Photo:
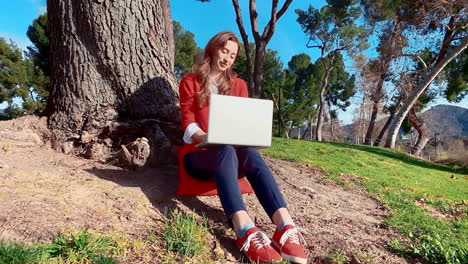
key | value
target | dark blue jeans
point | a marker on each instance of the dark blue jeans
(224, 164)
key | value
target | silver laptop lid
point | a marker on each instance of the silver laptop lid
(240, 121)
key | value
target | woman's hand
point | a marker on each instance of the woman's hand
(200, 136)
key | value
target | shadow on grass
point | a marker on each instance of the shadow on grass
(160, 186)
(400, 156)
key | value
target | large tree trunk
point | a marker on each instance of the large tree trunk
(420, 144)
(332, 127)
(413, 97)
(318, 129)
(112, 77)
(376, 97)
(384, 129)
(418, 124)
(378, 140)
(258, 68)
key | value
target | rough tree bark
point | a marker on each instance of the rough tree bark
(112, 79)
(376, 98)
(323, 88)
(390, 45)
(332, 127)
(418, 124)
(384, 129)
(413, 97)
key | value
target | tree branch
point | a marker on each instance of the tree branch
(245, 39)
(313, 46)
(283, 9)
(270, 28)
(448, 38)
(240, 23)
(417, 57)
(254, 20)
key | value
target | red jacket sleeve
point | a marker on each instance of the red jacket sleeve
(188, 101)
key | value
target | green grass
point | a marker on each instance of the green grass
(398, 180)
(338, 257)
(81, 247)
(14, 253)
(184, 235)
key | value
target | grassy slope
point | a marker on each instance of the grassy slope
(398, 180)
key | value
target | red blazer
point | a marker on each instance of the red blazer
(191, 113)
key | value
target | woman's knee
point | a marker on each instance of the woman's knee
(250, 160)
(226, 149)
(227, 153)
(249, 152)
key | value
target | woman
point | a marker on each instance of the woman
(213, 74)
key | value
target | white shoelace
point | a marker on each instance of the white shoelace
(295, 235)
(259, 239)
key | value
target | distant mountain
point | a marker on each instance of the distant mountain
(448, 120)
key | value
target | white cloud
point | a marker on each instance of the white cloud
(41, 10)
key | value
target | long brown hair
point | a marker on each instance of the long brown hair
(203, 67)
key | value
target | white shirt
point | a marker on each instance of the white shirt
(192, 128)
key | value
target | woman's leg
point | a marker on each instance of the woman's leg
(222, 162)
(263, 183)
(287, 237)
(221, 165)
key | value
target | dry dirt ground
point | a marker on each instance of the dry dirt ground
(43, 192)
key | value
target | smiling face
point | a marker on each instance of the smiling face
(223, 58)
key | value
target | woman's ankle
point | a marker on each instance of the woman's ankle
(239, 219)
(284, 224)
(240, 232)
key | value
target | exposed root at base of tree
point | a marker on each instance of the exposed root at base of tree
(133, 144)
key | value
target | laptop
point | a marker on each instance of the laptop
(239, 121)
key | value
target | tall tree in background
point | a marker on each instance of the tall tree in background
(418, 122)
(112, 79)
(456, 75)
(443, 21)
(186, 50)
(39, 55)
(391, 43)
(14, 73)
(340, 91)
(367, 82)
(332, 30)
(273, 80)
(18, 80)
(255, 64)
(303, 94)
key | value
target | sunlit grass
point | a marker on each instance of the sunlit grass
(398, 180)
(184, 235)
(81, 247)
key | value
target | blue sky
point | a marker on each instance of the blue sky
(204, 20)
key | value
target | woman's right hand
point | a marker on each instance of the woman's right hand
(200, 136)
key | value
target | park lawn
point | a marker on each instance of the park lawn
(408, 186)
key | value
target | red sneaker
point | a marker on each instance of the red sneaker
(290, 243)
(257, 248)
